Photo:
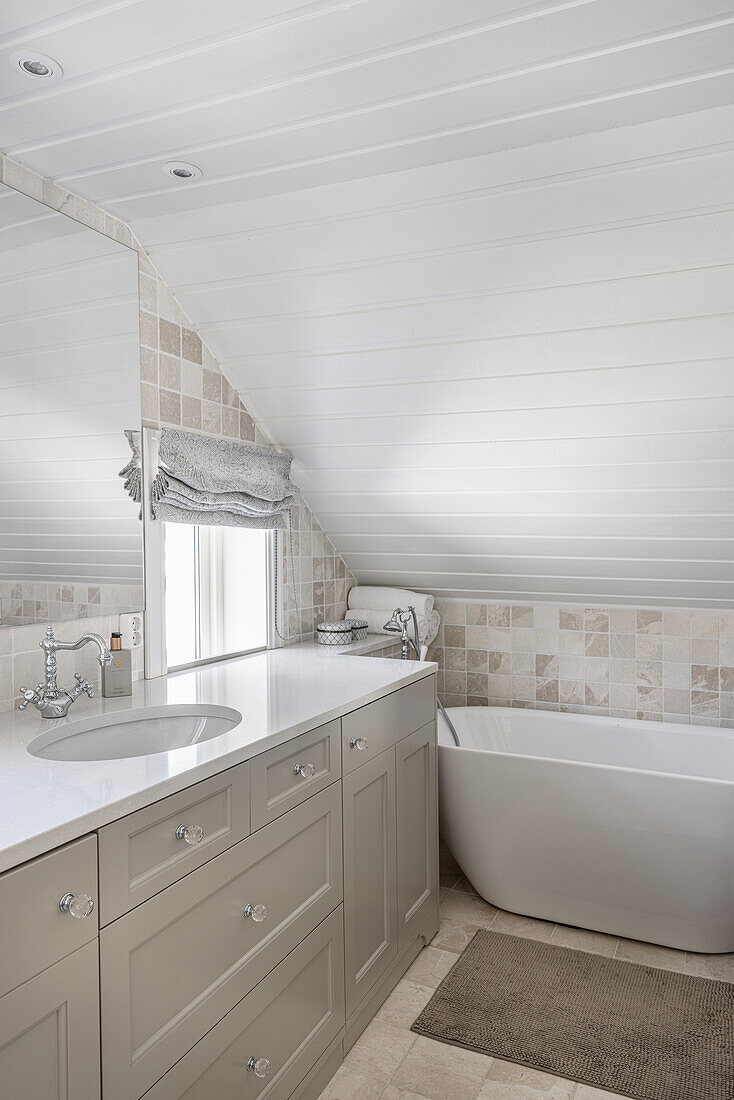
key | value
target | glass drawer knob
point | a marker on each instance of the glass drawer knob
(259, 1066)
(360, 743)
(192, 834)
(306, 771)
(257, 912)
(77, 905)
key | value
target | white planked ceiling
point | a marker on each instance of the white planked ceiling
(471, 263)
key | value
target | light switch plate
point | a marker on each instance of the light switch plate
(131, 628)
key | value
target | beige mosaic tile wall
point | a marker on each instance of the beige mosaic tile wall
(181, 385)
(23, 602)
(667, 665)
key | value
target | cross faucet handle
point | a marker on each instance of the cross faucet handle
(83, 685)
(31, 695)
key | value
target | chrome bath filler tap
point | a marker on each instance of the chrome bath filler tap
(48, 698)
(398, 624)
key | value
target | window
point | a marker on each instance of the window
(216, 592)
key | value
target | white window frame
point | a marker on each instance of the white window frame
(156, 663)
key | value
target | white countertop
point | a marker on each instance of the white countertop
(281, 693)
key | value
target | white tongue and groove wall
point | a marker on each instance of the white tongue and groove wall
(474, 270)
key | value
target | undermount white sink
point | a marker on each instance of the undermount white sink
(140, 732)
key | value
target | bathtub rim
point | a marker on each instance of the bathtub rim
(599, 718)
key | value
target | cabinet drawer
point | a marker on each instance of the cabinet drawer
(277, 781)
(49, 1033)
(173, 967)
(142, 853)
(382, 723)
(290, 1019)
(35, 933)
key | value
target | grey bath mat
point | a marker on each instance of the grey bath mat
(636, 1030)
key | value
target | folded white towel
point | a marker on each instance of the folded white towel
(386, 599)
(427, 628)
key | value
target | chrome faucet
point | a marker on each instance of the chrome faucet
(48, 698)
(398, 624)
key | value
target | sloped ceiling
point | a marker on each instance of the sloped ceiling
(471, 263)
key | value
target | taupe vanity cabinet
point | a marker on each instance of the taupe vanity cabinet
(234, 938)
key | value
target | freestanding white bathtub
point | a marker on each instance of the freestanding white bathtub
(617, 825)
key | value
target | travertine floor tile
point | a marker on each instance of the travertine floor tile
(527, 927)
(453, 935)
(348, 1085)
(431, 967)
(650, 954)
(598, 943)
(720, 967)
(466, 907)
(462, 883)
(392, 1092)
(405, 1003)
(509, 1081)
(438, 1071)
(379, 1050)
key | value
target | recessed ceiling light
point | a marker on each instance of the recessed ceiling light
(182, 170)
(35, 64)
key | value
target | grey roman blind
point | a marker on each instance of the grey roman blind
(206, 480)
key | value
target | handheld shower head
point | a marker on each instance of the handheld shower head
(395, 625)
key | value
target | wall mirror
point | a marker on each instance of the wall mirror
(70, 536)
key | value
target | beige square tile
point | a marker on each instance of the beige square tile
(498, 615)
(720, 967)
(582, 939)
(704, 677)
(546, 641)
(676, 649)
(677, 622)
(622, 620)
(571, 641)
(676, 674)
(476, 614)
(596, 619)
(649, 622)
(650, 954)
(704, 624)
(431, 966)
(523, 664)
(529, 928)
(379, 1050)
(454, 935)
(622, 645)
(522, 617)
(704, 651)
(571, 667)
(477, 637)
(546, 617)
(405, 1003)
(466, 908)
(570, 619)
(348, 1085)
(499, 639)
(650, 647)
(650, 673)
(622, 671)
(596, 645)
(523, 640)
(438, 1072)
(509, 1081)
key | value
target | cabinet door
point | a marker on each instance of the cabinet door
(370, 874)
(174, 966)
(417, 830)
(49, 1033)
